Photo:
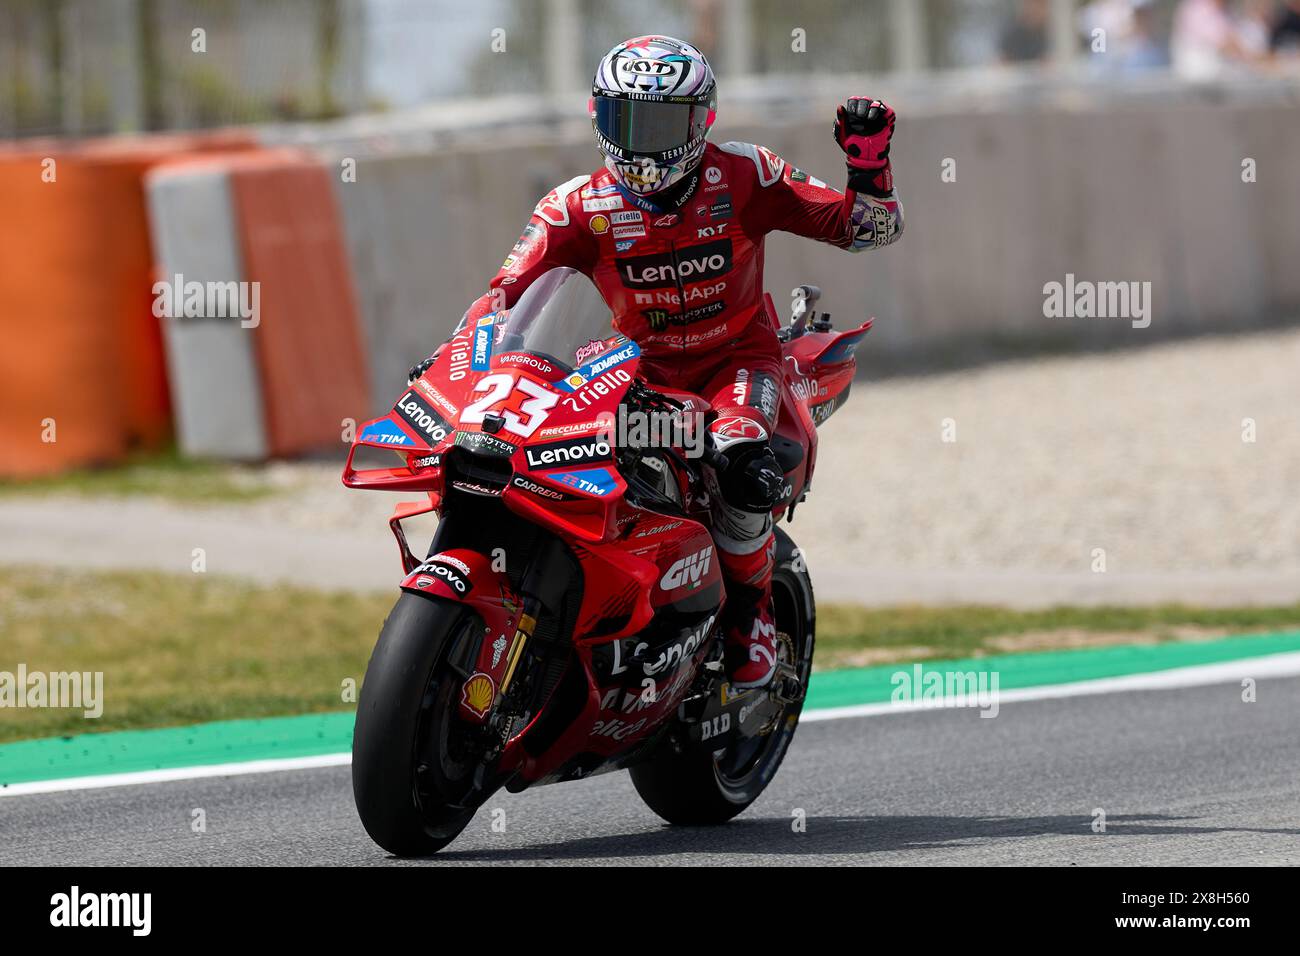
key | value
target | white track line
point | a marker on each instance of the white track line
(1199, 675)
(176, 773)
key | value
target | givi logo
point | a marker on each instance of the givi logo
(688, 571)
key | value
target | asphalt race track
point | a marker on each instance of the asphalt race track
(1188, 776)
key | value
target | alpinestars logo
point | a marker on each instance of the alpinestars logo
(693, 264)
(687, 571)
(423, 418)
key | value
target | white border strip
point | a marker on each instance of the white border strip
(1198, 675)
(1286, 664)
(176, 773)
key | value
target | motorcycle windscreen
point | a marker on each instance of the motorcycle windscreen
(561, 320)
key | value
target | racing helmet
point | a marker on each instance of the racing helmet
(652, 102)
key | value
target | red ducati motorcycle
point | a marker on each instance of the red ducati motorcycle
(565, 620)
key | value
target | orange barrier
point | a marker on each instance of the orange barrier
(81, 346)
(309, 346)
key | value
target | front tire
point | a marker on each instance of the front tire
(693, 787)
(413, 793)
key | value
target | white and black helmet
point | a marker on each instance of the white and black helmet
(652, 103)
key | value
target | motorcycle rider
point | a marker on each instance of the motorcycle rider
(671, 232)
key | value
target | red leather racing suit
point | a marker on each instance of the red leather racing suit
(686, 283)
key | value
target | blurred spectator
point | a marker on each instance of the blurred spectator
(1254, 24)
(1024, 37)
(1206, 40)
(1147, 49)
(1123, 35)
(1285, 38)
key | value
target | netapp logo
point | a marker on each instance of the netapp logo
(694, 264)
(421, 415)
(575, 450)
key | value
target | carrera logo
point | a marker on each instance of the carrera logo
(574, 450)
(423, 418)
(519, 481)
(694, 264)
(688, 571)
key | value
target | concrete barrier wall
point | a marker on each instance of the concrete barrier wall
(1145, 192)
(216, 394)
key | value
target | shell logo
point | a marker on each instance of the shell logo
(575, 380)
(599, 224)
(477, 693)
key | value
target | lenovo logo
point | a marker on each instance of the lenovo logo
(581, 451)
(692, 264)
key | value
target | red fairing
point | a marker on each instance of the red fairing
(462, 575)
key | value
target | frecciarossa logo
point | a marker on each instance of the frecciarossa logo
(691, 264)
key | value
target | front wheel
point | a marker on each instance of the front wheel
(413, 770)
(696, 787)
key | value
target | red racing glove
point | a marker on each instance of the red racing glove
(863, 129)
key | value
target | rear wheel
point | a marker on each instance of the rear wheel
(697, 787)
(413, 759)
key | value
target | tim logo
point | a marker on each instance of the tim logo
(688, 571)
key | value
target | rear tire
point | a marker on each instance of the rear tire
(405, 796)
(695, 788)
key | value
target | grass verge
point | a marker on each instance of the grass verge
(163, 474)
(189, 649)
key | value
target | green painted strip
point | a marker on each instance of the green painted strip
(871, 685)
(127, 751)
(233, 741)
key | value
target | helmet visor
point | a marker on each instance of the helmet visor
(650, 127)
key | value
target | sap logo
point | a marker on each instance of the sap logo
(563, 452)
(694, 264)
(623, 245)
(385, 432)
(687, 571)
